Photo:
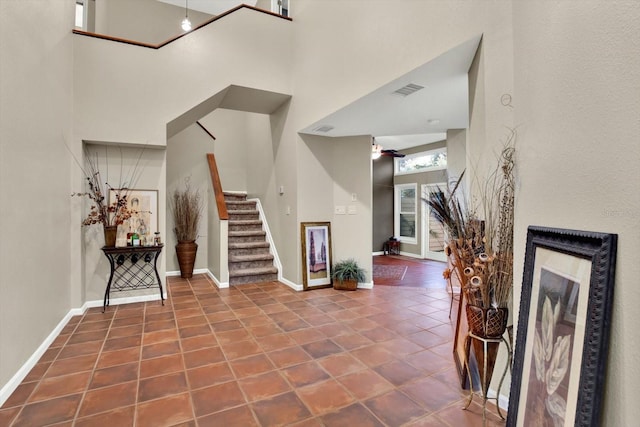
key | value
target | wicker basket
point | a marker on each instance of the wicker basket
(345, 285)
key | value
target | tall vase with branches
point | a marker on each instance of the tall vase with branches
(480, 248)
(186, 205)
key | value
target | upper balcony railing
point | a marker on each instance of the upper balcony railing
(156, 23)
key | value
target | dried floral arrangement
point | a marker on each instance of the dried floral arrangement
(186, 205)
(101, 211)
(481, 250)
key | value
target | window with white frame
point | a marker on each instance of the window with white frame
(405, 212)
(421, 162)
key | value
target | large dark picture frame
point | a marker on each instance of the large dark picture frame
(316, 254)
(563, 328)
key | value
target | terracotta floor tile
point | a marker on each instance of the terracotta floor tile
(8, 415)
(49, 411)
(263, 340)
(199, 342)
(108, 398)
(251, 365)
(373, 355)
(160, 336)
(118, 357)
(263, 386)
(60, 386)
(121, 417)
(71, 365)
(114, 375)
(288, 356)
(217, 398)
(305, 374)
(120, 343)
(89, 348)
(208, 375)
(241, 416)
(167, 411)
(428, 361)
(161, 365)
(203, 356)
(326, 396)
(125, 331)
(352, 415)
(427, 339)
(160, 349)
(398, 372)
(20, 395)
(341, 364)
(159, 325)
(280, 410)
(226, 325)
(161, 386)
(323, 348)
(239, 349)
(275, 342)
(365, 383)
(394, 408)
(264, 330)
(432, 393)
(194, 331)
(351, 341)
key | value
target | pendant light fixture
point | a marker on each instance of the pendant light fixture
(186, 24)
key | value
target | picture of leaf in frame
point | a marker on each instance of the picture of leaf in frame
(549, 377)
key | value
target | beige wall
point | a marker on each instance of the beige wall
(36, 107)
(128, 19)
(576, 104)
(575, 87)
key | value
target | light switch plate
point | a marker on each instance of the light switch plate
(352, 210)
(340, 210)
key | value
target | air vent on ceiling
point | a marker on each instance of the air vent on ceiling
(323, 128)
(408, 89)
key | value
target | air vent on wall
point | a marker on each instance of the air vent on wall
(323, 128)
(408, 89)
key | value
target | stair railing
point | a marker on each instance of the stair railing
(218, 230)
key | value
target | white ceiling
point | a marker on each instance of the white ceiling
(422, 117)
(212, 7)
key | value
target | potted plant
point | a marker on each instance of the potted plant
(346, 274)
(186, 206)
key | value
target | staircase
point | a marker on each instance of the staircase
(249, 258)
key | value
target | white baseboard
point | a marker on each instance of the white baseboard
(195, 271)
(19, 376)
(368, 285)
(377, 253)
(291, 284)
(219, 284)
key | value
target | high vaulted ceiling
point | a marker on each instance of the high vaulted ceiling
(212, 7)
(438, 100)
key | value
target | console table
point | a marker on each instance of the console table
(132, 267)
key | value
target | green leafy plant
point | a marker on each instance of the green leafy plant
(348, 270)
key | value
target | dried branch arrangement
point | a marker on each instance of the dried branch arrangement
(481, 249)
(186, 205)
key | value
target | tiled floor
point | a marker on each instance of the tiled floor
(252, 355)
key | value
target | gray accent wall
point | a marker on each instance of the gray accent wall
(382, 190)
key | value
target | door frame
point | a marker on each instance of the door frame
(424, 221)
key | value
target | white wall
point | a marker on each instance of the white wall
(577, 104)
(36, 107)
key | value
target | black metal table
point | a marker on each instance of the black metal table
(132, 267)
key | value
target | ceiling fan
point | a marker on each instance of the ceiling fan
(377, 151)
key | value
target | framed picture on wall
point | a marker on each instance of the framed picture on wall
(563, 328)
(143, 206)
(316, 254)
